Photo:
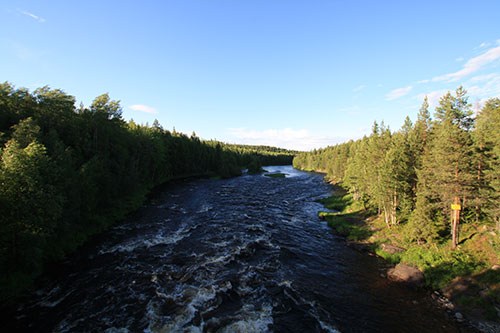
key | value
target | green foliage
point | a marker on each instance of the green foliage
(440, 265)
(67, 173)
(344, 219)
(393, 258)
(255, 166)
(337, 203)
(412, 176)
(487, 143)
(344, 226)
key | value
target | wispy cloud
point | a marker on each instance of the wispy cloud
(471, 66)
(33, 16)
(484, 86)
(143, 108)
(479, 88)
(433, 97)
(485, 77)
(483, 45)
(359, 88)
(300, 139)
(397, 93)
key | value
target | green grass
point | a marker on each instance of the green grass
(440, 265)
(344, 225)
(393, 258)
(337, 203)
(444, 269)
(344, 219)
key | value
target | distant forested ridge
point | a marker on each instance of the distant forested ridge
(427, 176)
(67, 172)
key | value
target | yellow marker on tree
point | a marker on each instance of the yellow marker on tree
(455, 207)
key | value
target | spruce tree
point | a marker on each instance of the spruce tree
(445, 176)
(487, 143)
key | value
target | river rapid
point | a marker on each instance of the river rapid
(246, 254)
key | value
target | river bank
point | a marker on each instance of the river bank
(464, 282)
(241, 254)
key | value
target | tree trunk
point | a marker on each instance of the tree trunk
(394, 206)
(455, 223)
(386, 216)
(478, 205)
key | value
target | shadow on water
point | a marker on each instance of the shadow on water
(247, 254)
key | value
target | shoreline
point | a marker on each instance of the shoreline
(363, 231)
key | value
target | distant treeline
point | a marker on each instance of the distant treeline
(67, 172)
(427, 174)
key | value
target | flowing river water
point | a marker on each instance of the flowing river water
(246, 254)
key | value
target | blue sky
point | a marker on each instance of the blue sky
(294, 74)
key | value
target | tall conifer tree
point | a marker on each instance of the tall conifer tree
(445, 176)
(487, 143)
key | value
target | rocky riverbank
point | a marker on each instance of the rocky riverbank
(465, 282)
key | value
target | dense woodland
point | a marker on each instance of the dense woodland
(67, 172)
(413, 176)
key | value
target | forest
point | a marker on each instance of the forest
(429, 192)
(68, 172)
(413, 176)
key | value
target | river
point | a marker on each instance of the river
(246, 254)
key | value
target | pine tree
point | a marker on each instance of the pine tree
(487, 143)
(357, 172)
(445, 175)
(397, 175)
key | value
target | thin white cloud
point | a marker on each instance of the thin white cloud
(359, 88)
(33, 16)
(471, 66)
(433, 97)
(300, 139)
(143, 108)
(484, 86)
(397, 93)
(485, 77)
(479, 88)
(484, 44)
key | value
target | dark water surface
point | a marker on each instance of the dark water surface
(246, 254)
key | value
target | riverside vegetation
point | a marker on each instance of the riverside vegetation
(400, 192)
(68, 172)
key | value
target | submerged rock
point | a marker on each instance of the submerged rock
(407, 274)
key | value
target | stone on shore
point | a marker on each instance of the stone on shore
(406, 274)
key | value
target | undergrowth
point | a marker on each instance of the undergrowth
(443, 268)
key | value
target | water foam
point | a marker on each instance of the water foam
(155, 239)
(254, 320)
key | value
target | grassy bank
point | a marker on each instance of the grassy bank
(469, 276)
